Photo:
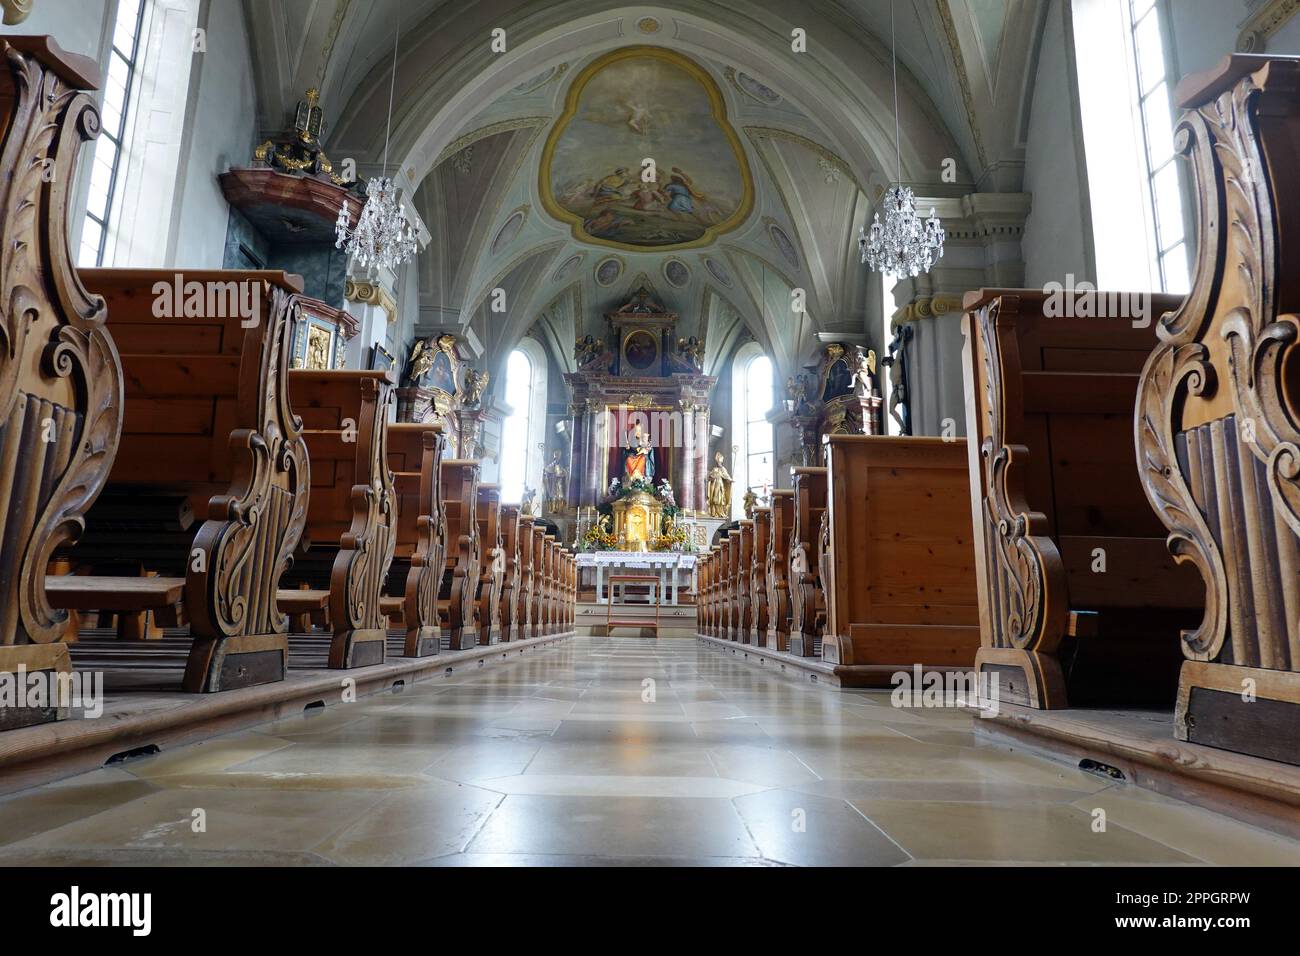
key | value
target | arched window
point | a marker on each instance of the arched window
(520, 459)
(515, 444)
(751, 400)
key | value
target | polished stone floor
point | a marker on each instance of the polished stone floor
(621, 751)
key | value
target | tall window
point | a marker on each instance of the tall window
(752, 390)
(1168, 251)
(1133, 175)
(118, 83)
(516, 432)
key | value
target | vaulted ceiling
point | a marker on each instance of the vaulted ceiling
(815, 129)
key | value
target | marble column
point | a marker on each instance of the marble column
(686, 491)
(701, 457)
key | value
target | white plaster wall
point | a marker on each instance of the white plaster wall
(77, 25)
(221, 132)
(1056, 240)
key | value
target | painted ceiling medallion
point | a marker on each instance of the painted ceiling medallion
(719, 271)
(753, 88)
(608, 270)
(648, 25)
(677, 273)
(566, 267)
(509, 229)
(782, 242)
(636, 104)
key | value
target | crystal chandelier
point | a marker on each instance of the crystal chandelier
(383, 238)
(904, 244)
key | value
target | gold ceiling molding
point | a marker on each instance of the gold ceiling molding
(954, 45)
(370, 293)
(331, 37)
(16, 11)
(483, 132)
(1268, 18)
(927, 307)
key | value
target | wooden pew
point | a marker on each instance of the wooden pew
(570, 589)
(538, 596)
(59, 420)
(808, 600)
(457, 603)
(491, 563)
(1074, 578)
(352, 518)
(702, 593)
(900, 582)
(415, 453)
(510, 578)
(730, 588)
(756, 633)
(1216, 429)
(778, 569)
(208, 434)
(525, 621)
(743, 579)
(550, 613)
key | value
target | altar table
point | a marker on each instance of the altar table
(673, 568)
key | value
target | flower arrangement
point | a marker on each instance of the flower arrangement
(673, 538)
(599, 537)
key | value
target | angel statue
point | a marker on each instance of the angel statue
(692, 350)
(418, 362)
(587, 349)
(528, 504)
(865, 372)
(472, 387)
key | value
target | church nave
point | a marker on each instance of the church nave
(562, 760)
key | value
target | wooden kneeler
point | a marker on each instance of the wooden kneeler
(60, 377)
(352, 517)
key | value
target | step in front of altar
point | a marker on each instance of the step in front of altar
(590, 618)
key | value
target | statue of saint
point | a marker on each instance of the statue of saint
(528, 504)
(638, 458)
(719, 489)
(749, 503)
(555, 477)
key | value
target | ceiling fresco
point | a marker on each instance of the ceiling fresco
(629, 106)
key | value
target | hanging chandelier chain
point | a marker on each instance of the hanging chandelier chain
(392, 86)
(903, 244)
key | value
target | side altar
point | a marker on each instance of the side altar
(640, 414)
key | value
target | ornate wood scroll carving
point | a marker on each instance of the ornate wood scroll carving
(251, 532)
(536, 612)
(744, 573)
(509, 601)
(805, 578)
(460, 485)
(523, 613)
(60, 378)
(778, 570)
(757, 582)
(366, 548)
(491, 559)
(423, 632)
(1218, 433)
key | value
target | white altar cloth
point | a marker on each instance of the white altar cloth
(670, 566)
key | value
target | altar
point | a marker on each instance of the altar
(675, 570)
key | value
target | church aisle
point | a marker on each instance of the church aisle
(612, 751)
